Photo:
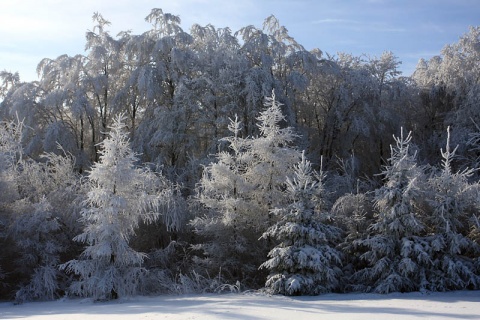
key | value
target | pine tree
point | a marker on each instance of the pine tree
(120, 196)
(353, 214)
(452, 201)
(238, 192)
(305, 261)
(224, 192)
(270, 158)
(397, 254)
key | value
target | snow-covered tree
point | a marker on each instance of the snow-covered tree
(225, 194)
(120, 196)
(239, 190)
(452, 201)
(450, 88)
(258, 80)
(66, 107)
(213, 89)
(396, 254)
(305, 261)
(353, 213)
(165, 65)
(11, 153)
(37, 213)
(45, 220)
(102, 70)
(272, 157)
(339, 111)
(475, 230)
(37, 233)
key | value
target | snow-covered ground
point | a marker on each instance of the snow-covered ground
(451, 305)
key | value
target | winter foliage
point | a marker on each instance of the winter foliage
(38, 232)
(169, 161)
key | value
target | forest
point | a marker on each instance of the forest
(220, 161)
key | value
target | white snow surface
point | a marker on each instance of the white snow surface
(449, 305)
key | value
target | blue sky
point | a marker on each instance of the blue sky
(31, 30)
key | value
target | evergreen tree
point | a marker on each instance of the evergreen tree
(238, 192)
(271, 157)
(397, 254)
(353, 214)
(452, 201)
(305, 261)
(120, 196)
(224, 192)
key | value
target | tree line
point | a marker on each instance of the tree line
(175, 161)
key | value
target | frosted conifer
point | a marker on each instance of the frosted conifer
(452, 201)
(305, 261)
(239, 190)
(397, 254)
(224, 192)
(120, 196)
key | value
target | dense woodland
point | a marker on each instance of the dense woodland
(211, 160)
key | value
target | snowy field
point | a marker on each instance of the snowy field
(451, 305)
